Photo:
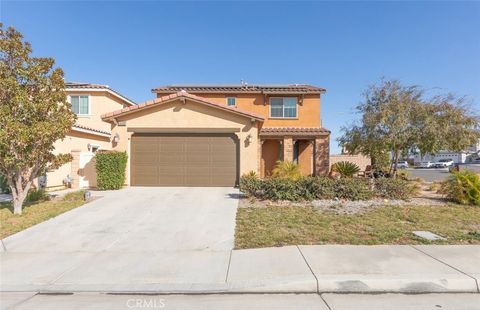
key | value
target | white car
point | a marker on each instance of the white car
(443, 163)
(402, 165)
(424, 164)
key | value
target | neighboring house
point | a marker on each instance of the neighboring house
(468, 155)
(89, 134)
(197, 135)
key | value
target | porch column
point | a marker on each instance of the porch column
(322, 155)
(75, 166)
(287, 148)
(260, 170)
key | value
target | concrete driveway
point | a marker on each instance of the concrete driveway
(139, 219)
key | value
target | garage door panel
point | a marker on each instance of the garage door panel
(171, 147)
(145, 159)
(171, 158)
(184, 160)
(144, 175)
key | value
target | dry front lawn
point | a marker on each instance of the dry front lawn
(288, 225)
(35, 213)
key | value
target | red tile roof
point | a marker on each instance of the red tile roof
(176, 96)
(91, 129)
(78, 85)
(242, 88)
(297, 131)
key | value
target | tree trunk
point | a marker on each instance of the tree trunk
(17, 203)
(19, 191)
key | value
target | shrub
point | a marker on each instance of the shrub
(462, 187)
(281, 189)
(250, 184)
(307, 188)
(110, 168)
(391, 188)
(317, 188)
(74, 196)
(311, 188)
(353, 189)
(36, 195)
(403, 174)
(4, 188)
(346, 169)
(287, 170)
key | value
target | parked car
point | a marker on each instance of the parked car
(424, 164)
(444, 163)
(402, 165)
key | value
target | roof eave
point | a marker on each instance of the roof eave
(89, 131)
(108, 90)
(111, 118)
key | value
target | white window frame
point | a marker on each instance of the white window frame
(234, 98)
(283, 107)
(89, 104)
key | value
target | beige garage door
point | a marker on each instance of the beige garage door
(183, 160)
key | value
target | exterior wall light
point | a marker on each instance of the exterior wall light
(116, 138)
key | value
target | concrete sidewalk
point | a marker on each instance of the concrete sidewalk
(293, 269)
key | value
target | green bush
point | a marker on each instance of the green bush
(36, 195)
(287, 170)
(74, 196)
(307, 188)
(250, 184)
(4, 188)
(391, 188)
(353, 189)
(311, 188)
(110, 168)
(462, 187)
(346, 169)
(317, 188)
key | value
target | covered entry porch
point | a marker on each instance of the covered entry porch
(309, 147)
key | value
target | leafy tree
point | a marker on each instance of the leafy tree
(34, 113)
(398, 119)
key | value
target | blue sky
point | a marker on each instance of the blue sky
(341, 46)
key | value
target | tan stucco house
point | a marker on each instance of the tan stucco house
(89, 134)
(199, 135)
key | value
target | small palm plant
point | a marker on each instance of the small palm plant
(287, 170)
(346, 169)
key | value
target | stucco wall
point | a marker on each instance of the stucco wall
(361, 160)
(191, 115)
(100, 103)
(308, 111)
(74, 141)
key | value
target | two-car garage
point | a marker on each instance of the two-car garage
(185, 140)
(184, 159)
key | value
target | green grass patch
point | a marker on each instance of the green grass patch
(280, 226)
(34, 213)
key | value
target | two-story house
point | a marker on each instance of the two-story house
(89, 134)
(197, 135)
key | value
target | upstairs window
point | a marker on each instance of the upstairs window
(285, 107)
(80, 105)
(231, 101)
